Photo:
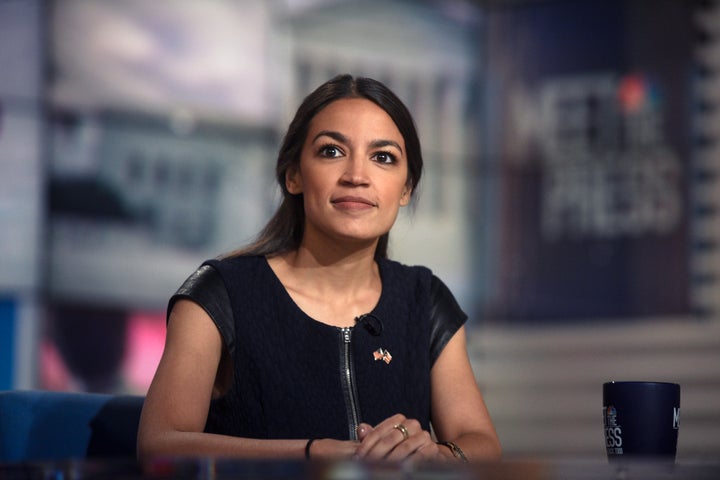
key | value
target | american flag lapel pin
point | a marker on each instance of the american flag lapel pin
(382, 354)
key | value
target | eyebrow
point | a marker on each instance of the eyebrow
(386, 143)
(337, 136)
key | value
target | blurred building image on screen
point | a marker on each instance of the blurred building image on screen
(165, 123)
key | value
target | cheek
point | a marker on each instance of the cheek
(316, 189)
(401, 191)
(312, 184)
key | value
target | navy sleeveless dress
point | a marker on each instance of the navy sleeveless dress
(295, 377)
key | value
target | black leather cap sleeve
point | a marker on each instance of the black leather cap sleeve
(206, 288)
(446, 317)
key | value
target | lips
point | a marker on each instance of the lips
(353, 202)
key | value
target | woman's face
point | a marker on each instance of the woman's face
(353, 172)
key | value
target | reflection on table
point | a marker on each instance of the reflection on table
(213, 468)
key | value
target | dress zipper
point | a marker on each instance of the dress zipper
(347, 375)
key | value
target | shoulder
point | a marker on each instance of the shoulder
(409, 275)
(206, 288)
(239, 271)
(208, 283)
(446, 316)
(234, 263)
(398, 266)
(201, 286)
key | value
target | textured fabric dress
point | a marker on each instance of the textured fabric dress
(295, 377)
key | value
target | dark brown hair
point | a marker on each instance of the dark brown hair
(284, 231)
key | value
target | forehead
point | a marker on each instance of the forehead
(356, 115)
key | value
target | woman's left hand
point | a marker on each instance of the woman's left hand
(396, 439)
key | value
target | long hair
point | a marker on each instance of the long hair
(284, 231)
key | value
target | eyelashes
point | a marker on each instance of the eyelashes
(330, 151)
(382, 157)
(386, 158)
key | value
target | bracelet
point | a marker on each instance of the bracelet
(307, 448)
(456, 451)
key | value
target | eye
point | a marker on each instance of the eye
(329, 151)
(385, 158)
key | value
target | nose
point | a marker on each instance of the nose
(355, 173)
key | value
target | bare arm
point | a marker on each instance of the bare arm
(177, 402)
(459, 413)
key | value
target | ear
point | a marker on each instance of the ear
(293, 181)
(406, 195)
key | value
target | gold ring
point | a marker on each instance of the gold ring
(403, 429)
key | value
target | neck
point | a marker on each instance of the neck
(334, 293)
(338, 268)
(320, 250)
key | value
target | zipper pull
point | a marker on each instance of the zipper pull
(346, 334)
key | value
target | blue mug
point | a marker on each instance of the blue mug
(641, 420)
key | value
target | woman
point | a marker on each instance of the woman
(310, 342)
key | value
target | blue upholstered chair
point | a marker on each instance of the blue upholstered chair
(44, 425)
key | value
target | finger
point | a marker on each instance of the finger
(381, 439)
(419, 446)
(363, 430)
(400, 427)
(401, 438)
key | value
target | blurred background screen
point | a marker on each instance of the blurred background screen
(589, 143)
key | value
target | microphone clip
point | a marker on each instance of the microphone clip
(371, 323)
